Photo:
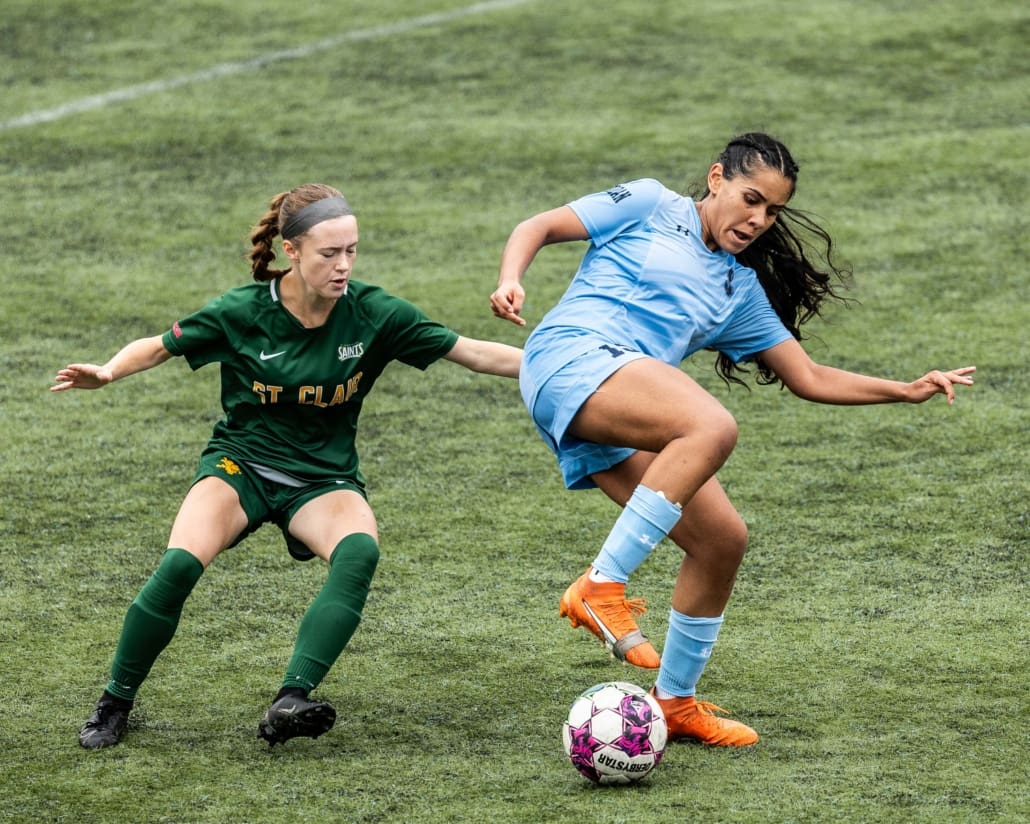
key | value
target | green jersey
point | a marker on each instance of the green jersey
(292, 395)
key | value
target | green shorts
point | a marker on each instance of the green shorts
(264, 500)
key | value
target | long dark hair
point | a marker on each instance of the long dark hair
(781, 256)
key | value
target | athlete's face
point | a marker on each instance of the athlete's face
(324, 257)
(737, 211)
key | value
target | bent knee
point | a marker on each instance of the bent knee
(724, 433)
(730, 541)
(735, 539)
(723, 540)
(717, 434)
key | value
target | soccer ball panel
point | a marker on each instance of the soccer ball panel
(606, 725)
(610, 696)
(581, 711)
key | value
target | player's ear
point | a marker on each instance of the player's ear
(291, 250)
(715, 178)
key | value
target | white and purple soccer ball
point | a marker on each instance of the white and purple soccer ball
(615, 733)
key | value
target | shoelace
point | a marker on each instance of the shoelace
(708, 708)
(636, 606)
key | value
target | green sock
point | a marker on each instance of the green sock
(334, 615)
(151, 621)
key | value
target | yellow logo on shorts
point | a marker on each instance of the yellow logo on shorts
(229, 466)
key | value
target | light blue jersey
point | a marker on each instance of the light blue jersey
(647, 287)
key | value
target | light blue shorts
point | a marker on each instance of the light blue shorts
(555, 402)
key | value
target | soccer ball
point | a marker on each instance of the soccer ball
(615, 733)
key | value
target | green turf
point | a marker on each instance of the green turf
(877, 637)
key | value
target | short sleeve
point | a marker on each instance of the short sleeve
(200, 337)
(620, 209)
(413, 338)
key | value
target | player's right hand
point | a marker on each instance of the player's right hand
(81, 376)
(506, 302)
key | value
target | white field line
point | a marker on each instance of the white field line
(100, 101)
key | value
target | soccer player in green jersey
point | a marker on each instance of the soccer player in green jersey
(299, 350)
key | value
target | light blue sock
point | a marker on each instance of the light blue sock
(646, 519)
(688, 646)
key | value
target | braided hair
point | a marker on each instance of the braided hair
(795, 285)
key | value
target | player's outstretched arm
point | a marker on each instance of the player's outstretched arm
(486, 356)
(135, 357)
(825, 384)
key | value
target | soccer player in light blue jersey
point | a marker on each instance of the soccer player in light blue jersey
(299, 350)
(664, 276)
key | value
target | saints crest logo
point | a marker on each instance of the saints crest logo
(352, 350)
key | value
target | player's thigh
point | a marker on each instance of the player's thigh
(645, 405)
(326, 520)
(210, 518)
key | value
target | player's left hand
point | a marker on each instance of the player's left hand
(940, 383)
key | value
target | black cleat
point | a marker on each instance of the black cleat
(293, 716)
(106, 726)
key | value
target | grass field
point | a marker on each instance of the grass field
(877, 638)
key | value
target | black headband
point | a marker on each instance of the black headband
(303, 219)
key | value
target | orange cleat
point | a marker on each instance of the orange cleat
(603, 610)
(688, 718)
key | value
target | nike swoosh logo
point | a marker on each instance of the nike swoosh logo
(263, 356)
(609, 637)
